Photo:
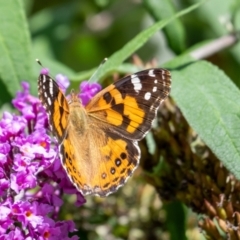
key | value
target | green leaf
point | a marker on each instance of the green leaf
(176, 218)
(211, 104)
(16, 58)
(132, 46)
(174, 32)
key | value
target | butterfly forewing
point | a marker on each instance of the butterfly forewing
(130, 105)
(55, 104)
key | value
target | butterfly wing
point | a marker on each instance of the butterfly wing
(55, 104)
(130, 105)
(98, 162)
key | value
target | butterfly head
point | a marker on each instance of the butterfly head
(73, 98)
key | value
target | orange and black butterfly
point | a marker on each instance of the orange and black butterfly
(99, 143)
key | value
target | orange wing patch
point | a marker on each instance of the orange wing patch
(60, 117)
(124, 112)
(119, 110)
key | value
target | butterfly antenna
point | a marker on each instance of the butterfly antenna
(38, 61)
(48, 73)
(93, 78)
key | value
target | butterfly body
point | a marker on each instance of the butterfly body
(98, 143)
(77, 118)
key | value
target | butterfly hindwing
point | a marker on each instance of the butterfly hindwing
(99, 161)
(130, 104)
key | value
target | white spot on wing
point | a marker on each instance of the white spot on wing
(136, 82)
(49, 101)
(147, 96)
(154, 89)
(155, 81)
(51, 88)
(151, 73)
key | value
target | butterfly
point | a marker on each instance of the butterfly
(98, 144)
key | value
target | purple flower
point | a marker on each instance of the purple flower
(28, 214)
(88, 90)
(11, 126)
(44, 71)
(63, 82)
(14, 234)
(32, 179)
(4, 150)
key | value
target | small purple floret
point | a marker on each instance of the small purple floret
(62, 81)
(88, 91)
(44, 71)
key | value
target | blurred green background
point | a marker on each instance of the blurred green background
(80, 34)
